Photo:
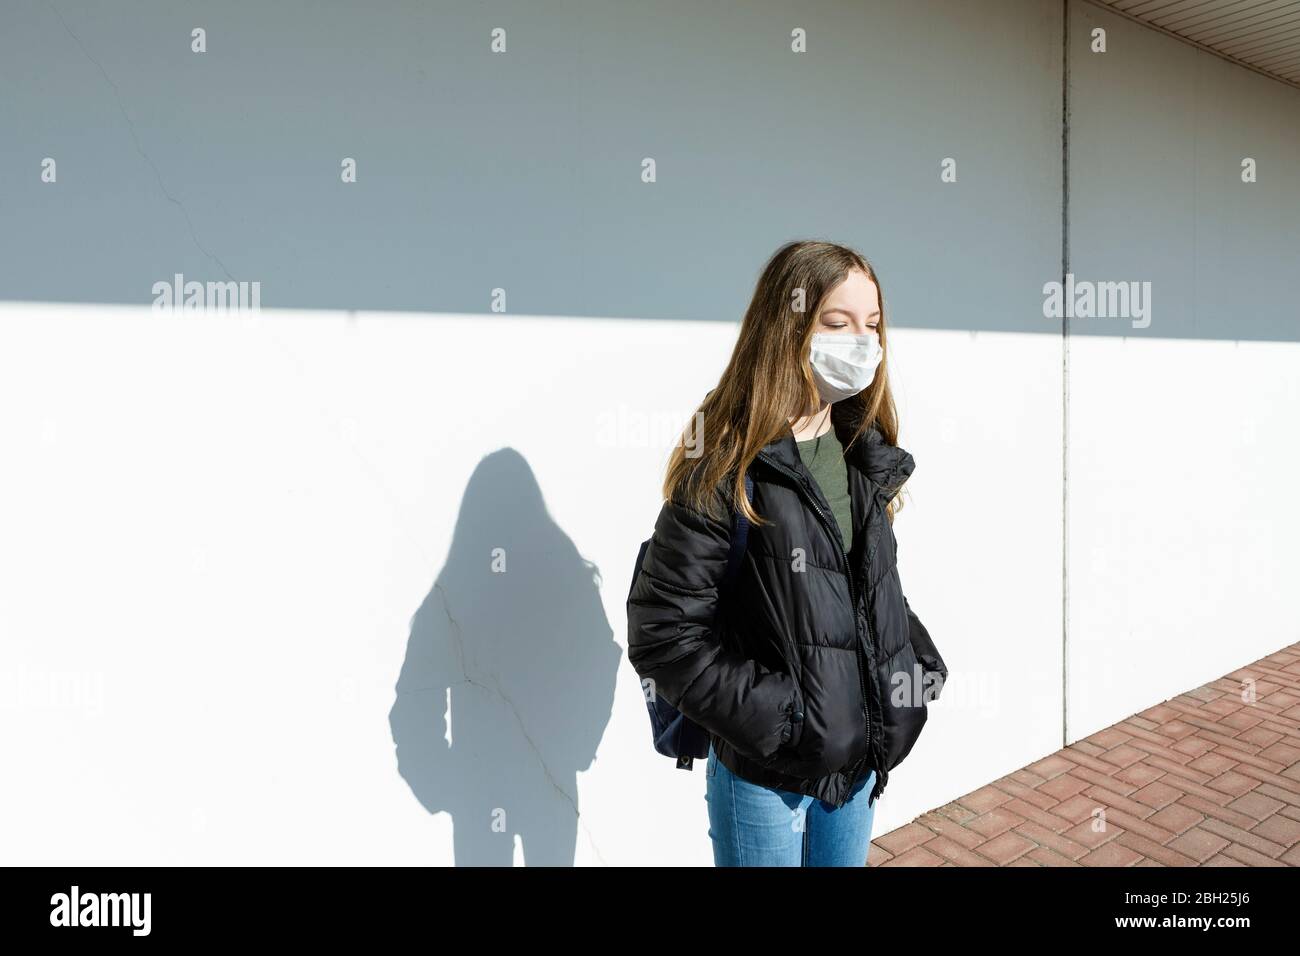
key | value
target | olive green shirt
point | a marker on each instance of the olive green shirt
(824, 457)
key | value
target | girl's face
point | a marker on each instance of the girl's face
(852, 307)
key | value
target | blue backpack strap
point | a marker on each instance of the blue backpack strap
(739, 537)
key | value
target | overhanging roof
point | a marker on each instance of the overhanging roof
(1261, 35)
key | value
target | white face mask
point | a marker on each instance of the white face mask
(842, 364)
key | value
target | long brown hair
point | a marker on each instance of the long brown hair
(768, 379)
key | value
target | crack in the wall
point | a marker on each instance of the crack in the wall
(135, 138)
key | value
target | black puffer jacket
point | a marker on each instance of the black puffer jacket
(813, 676)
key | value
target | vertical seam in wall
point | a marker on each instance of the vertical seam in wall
(1065, 375)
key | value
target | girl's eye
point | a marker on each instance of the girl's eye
(831, 325)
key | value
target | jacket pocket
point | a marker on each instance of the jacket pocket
(905, 711)
(833, 733)
(934, 670)
(791, 731)
(794, 727)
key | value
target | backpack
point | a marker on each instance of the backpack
(674, 734)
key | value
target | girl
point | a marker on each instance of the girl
(813, 683)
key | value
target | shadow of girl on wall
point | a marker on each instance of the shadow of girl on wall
(508, 681)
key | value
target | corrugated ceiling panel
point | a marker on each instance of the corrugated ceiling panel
(1263, 35)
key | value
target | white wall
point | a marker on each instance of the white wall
(217, 531)
(1182, 517)
(1181, 434)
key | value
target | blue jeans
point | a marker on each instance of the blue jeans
(753, 825)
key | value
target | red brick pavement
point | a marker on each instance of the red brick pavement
(1208, 778)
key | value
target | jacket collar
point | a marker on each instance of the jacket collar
(887, 466)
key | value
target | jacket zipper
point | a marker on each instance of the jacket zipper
(857, 644)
